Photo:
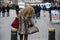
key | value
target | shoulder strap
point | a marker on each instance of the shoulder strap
(19, 28)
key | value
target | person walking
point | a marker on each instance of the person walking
(0, 10)
(7, 9)
(38, 11)
(17, 9)
(3, 11)
(44, 8)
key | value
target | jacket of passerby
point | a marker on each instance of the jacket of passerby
(44, 7)
(39, 8)
(36, 9)
(3, 9)
(7, 8)
(17, 7)
(51, 8)
(0, 9)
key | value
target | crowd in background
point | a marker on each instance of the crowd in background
(4, 9)
(37, 9)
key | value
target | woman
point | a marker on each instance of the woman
(24, 16)
(3, 11)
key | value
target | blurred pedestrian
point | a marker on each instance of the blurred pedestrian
(17, 9)
(44, 8)
(38, 11)
(0, 10)
(51, 8)
(7, 9)
(3, 11)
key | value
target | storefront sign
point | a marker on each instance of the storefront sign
(21, 4)
(55, 15)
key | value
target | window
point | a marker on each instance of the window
(33, 0)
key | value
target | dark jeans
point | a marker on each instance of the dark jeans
(3, 14)
(50, 16)
(8, 14)
(38, 15)
(0, 13)
(16, 12)
(25, 37)
(33, 16)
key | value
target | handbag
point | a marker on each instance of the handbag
(15, 23)
(33, 29)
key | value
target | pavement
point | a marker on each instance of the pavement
(43, 24)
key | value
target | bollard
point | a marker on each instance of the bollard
(14, 34)
(51, 34)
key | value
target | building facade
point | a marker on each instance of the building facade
(56, 2)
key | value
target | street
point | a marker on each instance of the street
(43, 24)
